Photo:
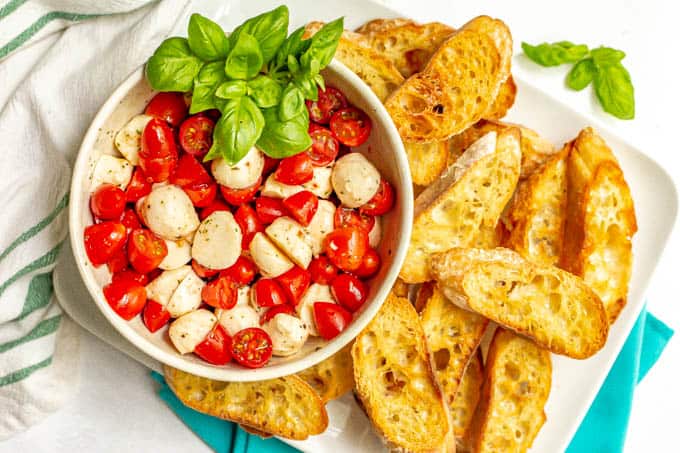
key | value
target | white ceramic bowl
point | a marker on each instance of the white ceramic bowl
(384, 149)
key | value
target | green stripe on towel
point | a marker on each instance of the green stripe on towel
(45, 327)
(38, 295)
(45, 260)
(24, 372)
(10, 7)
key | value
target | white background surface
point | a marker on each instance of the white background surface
(117, 408)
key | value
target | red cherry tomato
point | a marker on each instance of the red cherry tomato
(329, 101)
(203, 271)
(196, 135)
(273, 311)
(269, 165)
(294, 170)
(349, 291)
(138, 187)
(324, 147)
(268, 293)
(201, 194)
(269, 209)
(237, 197)
(168, 106)
(126, 298)
(322, 270)
(251, 347)
(382, 201)
(118, 262)
(145, 250)
(345, 217)
(216, 205)
(220, 293)
(130, 274)
(216, 347)
(330, 319)
(158, 153)
(189, 171)
(107, 202)
(294, 283)
(302, 206)
(369, 265)
(155, 315)
(351, 126)
(242, 272)
(103, 241)
(131, 220)
(346, 247)
(247, 219)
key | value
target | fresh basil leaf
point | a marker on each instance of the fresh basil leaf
(308, 87)
(293, 45)
(245, 59)
(555, 54)
(324, 43)
(265, 91)
(581, 74)
(269, 29)
(281, 139)
(237, 130)
(209, 78)
(293, 65)
(292, 103)
(605, 56)
(207, 39)
(173, 66)
(232, 89)
(614, 89)
(320, 81)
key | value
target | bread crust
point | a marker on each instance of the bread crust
(332, 377)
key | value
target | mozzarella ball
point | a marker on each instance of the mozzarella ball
(320, 185)
(321, 224)
(305, 308)
(190, 329)
(128, 139)
(111, 170)
(375, 235)
(179, 254)
(242, 174)
(267, 257)
(238, 318)
(217, 243)
(187, 295)
(168, 212)
(355, 180)
(162, 287)
(275, 189)
(288, 334)
(292, 239)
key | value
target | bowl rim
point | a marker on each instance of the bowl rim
(176, 360)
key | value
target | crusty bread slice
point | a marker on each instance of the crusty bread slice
(536, 215)
(285, 406)
(465, 402)
(551, 306)
(395, 382)
(516, 387)
(400, 288)
(332, 377)
(426, 160)
(256, 432)
(468, 198)
(600, 221)
(378, 25)
(458, 85)
(504, 100)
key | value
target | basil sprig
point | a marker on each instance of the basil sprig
(258, 77)
(601, 66)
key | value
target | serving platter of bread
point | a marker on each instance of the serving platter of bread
(535, 234)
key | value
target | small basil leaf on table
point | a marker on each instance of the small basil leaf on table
(605, 56)
(555, 54)
(265, 91)
(292, 103)
(614, 89)
(173, 66)
(269, 29)
(245, 59)
(581, 74)
(232, 89)
(281, 139)
(207, 39)
(237, 130)
(324, 43)
(293, 45)
(209, 78)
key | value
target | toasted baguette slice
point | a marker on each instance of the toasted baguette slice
(468, 198)
(536, 216)
(354, 52)
(458, 85)
(285, 406)
(395, 382)
(551, 306)
(600, 221)
(465, 402)
(378, 25)
(517, 383)
(255, 431)
(332, 377)
(426, 160)
(504, 100)
(400, 288)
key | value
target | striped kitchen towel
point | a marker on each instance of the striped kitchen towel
(56, 70)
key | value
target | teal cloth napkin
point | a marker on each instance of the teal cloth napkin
(602, 430)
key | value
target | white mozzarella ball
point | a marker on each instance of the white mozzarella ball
(355, 180)
(190, 329)
(275, 189)
(267, 257)
(179, 254)
(111, 170)
(168, 212)
(242, 174)
(375, 235)
(128, 139)
(288, 334)
(162, 287)
(320, 185)
(217, 243)
(238, 318)
(292, 239)
(305, 308)
(187, 295)
(321, 224)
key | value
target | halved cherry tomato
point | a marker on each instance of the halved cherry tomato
(351, 126)
(158, 153)
(145, 250)
(201, 194)
(351, 217)
(329, 101)
(216, 347)
(324, 147)
(369, 265)
(302, 206)
(322, 270)
(118, 262)
(220, 293)
(155, 315)
(349, 291)
(196, 135)
(189, 171)
(269, 209)
(268, 293)
(168, 106)
(237, 197)
(107, 202)
(276, 310)
(203, 271)
(126, 298)
(242, 272)
(269, 165)
(294, 283)
(330, 319)
(138, 187)
(131, 220)
(294, 170)
(247, 219)
(216, 205)
(382, 201)
(346, 247)
(103, 241)
(251, 347)
(130, 274)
